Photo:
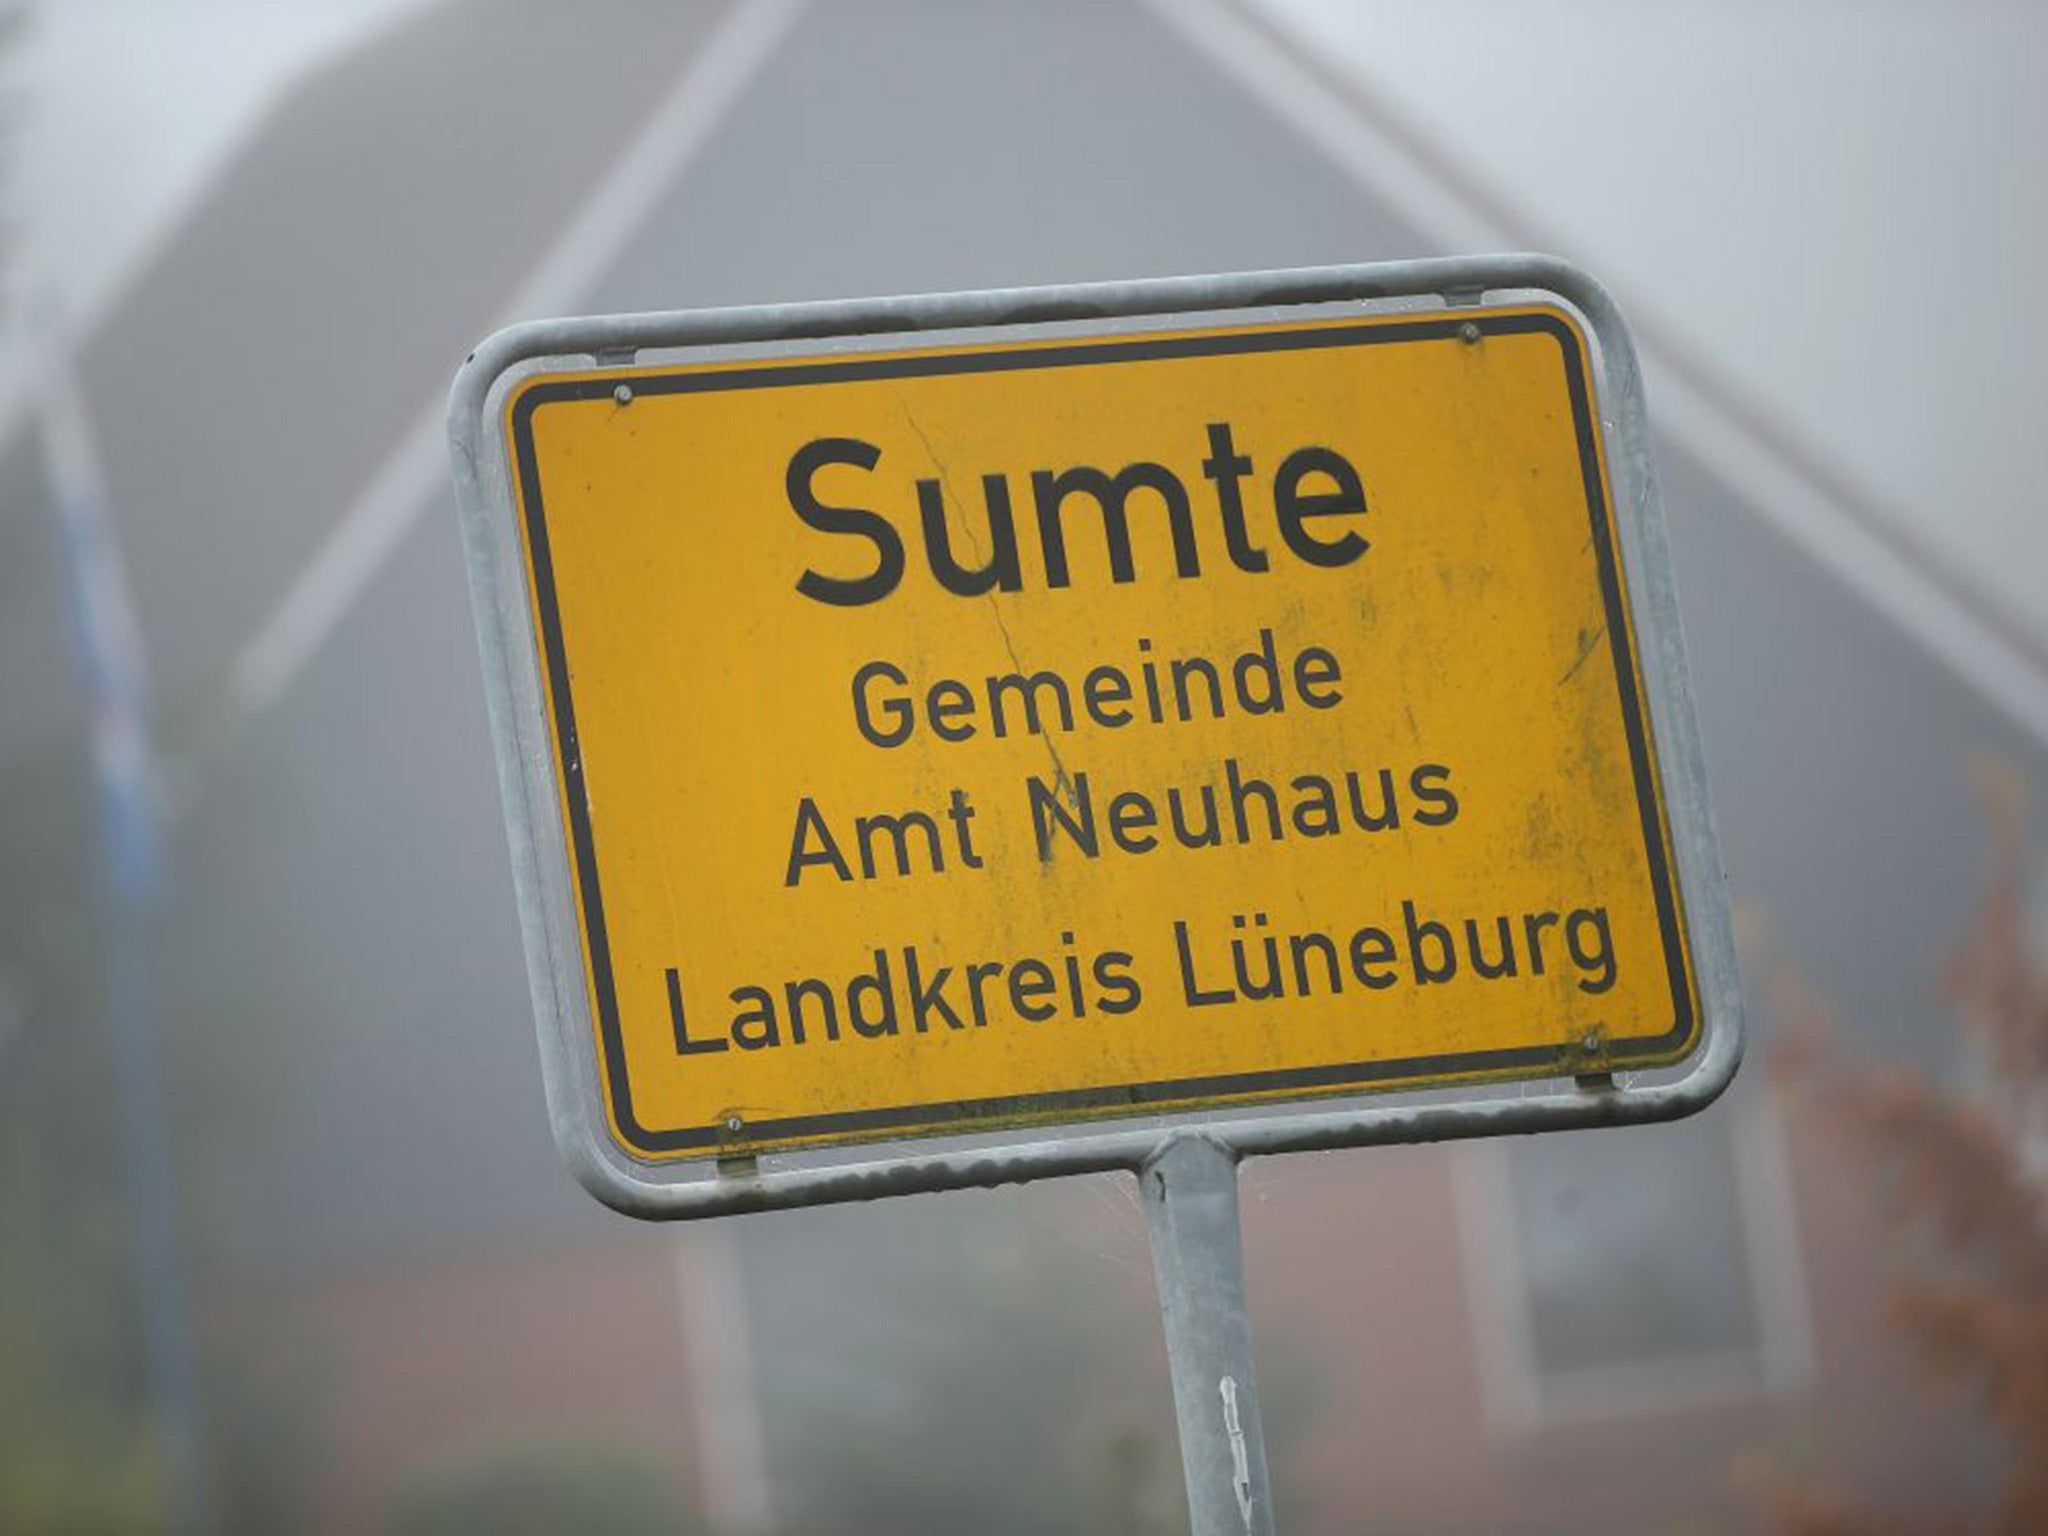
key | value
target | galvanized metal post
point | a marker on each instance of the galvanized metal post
(1190, 1193)
(110, 659)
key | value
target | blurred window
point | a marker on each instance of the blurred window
(1623, 1271)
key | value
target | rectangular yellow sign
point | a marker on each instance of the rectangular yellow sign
(1039, 731)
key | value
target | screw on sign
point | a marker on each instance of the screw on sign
(1252, 719)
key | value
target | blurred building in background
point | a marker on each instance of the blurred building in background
(407, 1311)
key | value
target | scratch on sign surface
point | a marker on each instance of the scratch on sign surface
(1062, 785)
(1588, 638)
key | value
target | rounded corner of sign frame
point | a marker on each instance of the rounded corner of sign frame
(591, 1152)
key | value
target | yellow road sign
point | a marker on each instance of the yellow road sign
(1043, 730)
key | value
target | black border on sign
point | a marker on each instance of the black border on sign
(962, 1115)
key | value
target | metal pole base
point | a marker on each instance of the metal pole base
(1190, 1192)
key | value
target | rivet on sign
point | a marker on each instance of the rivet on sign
(623, 394)
(1468, 331)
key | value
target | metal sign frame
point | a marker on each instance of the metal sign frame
(539, 843)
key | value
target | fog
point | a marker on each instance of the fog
(285, 1242)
